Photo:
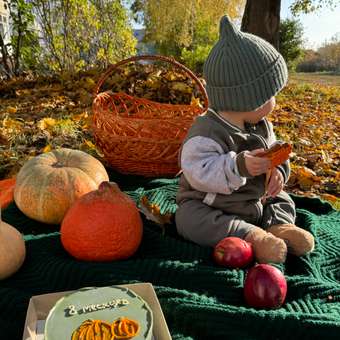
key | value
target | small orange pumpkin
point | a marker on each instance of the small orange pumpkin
(103, 225)
(47, 185)
(6, 192)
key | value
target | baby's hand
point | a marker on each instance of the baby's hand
(256, 165)
(276, 183)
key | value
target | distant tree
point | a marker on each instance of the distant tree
(326, 58)
(291, 41)
(308, 6)
(262, 17)
(78, 34)
(330, 53)
(23, 50)
(184, 29)
(311, 62)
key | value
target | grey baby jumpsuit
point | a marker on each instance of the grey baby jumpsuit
(217, 197)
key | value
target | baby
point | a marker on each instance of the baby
(222, 181)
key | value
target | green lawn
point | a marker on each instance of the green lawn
(321, 78)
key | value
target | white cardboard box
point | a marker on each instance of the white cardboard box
(40, 305)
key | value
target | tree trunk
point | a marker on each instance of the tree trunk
(5, 58)
(262, 18)
(18, 46)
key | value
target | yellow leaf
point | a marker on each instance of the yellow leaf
(46, 123)
(47, 148)
(101, 54)
(179, 86)
(306, 177)
(9, 123)
(153, 83)
(325, 156)
(89, 144)
(80, 116)
(195, 102)
(171, 76)
(153, 213)
(12, 109)
(155, 74)
(286, 119)
(337, 176)
(85, 126)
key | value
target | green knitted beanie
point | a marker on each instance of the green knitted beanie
(242, 71)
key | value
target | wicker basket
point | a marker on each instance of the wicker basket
(139, 136)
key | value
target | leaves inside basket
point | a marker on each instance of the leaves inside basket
(162, 84)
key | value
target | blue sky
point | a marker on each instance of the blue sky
(318, 26)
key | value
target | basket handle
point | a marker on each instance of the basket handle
(153, 57)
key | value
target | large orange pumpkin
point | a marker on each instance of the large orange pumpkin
(103, 225)
(47, 185)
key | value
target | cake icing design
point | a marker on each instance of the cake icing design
(122, 328)
(99, 314)
(92, 329)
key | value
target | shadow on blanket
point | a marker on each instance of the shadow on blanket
(200, 300)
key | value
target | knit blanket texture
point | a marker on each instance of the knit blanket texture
(200, 300)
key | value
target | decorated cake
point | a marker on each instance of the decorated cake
(100, 313)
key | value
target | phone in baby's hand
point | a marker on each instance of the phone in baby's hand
(277, 153)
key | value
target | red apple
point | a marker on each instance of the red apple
(233, 252)
(265, 287)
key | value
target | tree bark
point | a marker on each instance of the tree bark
(18, 47)
(5, 58)
(262, 18)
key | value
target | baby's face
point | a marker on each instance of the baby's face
(255, 116)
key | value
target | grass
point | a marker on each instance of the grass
(322, 78)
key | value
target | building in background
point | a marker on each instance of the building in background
(4, 22)
(142, 47)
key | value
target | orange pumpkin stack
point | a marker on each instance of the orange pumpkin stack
(102, 225)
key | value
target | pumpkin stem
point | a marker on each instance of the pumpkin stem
(108, 186)
(57, 165)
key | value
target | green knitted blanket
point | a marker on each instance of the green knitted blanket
(200, 300)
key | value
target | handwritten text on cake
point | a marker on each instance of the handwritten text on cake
(71, 309)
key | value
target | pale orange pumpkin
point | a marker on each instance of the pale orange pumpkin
(103, 225)
(12, 250)
(47, 185)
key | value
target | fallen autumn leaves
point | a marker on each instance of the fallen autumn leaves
(39, 115)
(308, 116)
